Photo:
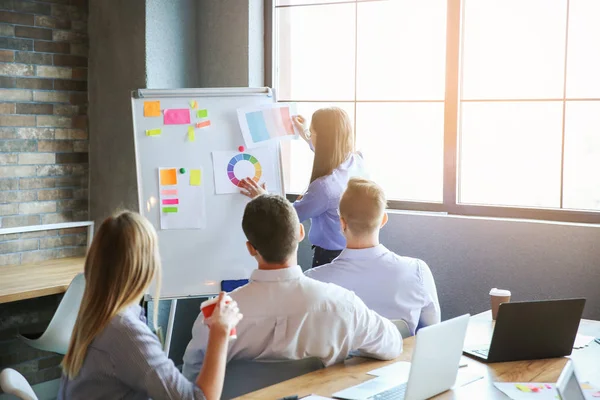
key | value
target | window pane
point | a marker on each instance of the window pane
(514, 49)
(582, 156)
(279, 3)
(403, 145)
(511, 154)
(583, 55)
(297, 156)
(315, 52)
(401, 50)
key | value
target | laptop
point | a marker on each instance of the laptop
(568, 385)
(434, 367)
(532, 330)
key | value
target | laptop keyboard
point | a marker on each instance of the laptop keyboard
(482, 352)
(395, 393)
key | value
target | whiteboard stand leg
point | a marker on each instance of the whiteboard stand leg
(169, 332)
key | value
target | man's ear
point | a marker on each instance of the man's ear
(343, 224)
(384, 220)
(251, 249)
(301, 234)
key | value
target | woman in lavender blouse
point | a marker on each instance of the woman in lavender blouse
(113, 354)
(331, 138)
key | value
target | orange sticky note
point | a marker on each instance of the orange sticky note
(152, 109)
(203, 124)
(168, 177)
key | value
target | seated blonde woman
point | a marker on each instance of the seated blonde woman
(113, 354)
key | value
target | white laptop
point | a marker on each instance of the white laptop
(434, 366)
(568, 385)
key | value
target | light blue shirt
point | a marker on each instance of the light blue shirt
(393, 286)
(321, 201)
(126, 361)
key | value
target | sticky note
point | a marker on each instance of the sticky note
(195, 177)
(202, 114)
(597, 394)
(203, 124)
(191, 134)
(168, 177)
(177, 116)
(523, 388)
(193, 103)
(153, 132)
(170, 201)
(169, 209)
(169, 192)
(152, 109)
(586, 386)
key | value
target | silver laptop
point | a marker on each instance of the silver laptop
(434, 366)
(568, 385)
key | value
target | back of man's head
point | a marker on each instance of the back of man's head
(362, 206)
(272, 227)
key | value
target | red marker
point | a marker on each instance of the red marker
(241, 148)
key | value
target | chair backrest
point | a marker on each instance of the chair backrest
(244, 376)
(14, 383)
(57, 336)
(402, 327)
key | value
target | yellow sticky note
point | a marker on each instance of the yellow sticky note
(153, 132)
(191, 134)
(168, 177)
(195, 177)
(152, 109)
(523, 388)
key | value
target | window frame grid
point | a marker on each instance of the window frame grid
(452, 118)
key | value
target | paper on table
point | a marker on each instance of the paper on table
(523, 391)
(315, 397)
(399, 370)
(266, 123)
(177, 116)
(182, 204)
(581, 341)
(230, 167)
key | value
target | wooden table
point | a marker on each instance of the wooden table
(327, 381)
(20, 282)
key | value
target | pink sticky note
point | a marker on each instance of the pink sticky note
(170, 201)
(597, 394)
(177, 116)
(548, 386)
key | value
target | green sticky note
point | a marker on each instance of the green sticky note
(169, 209)
(153, 132)
(202, 114)
(195, 177)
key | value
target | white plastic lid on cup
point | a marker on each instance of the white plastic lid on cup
(499, 292)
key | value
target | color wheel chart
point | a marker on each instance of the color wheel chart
(240, 158)
(259, 164)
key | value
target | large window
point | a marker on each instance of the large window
(476, 107)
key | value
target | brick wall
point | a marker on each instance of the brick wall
(43, 124)
(43, 157)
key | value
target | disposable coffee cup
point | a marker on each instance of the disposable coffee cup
(497, 297)
(208, 307)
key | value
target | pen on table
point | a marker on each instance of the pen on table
(597, 340)
(293, 397)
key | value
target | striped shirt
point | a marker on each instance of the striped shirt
(126, 361)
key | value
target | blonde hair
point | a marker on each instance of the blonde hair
(362, 206)
(335, 140)
(119, 267)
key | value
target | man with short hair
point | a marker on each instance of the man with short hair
(395, 287)
(286, 314)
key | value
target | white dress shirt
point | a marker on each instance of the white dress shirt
(396, 287)
(290, 316)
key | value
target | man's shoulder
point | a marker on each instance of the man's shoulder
(329, 296)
